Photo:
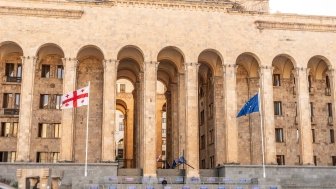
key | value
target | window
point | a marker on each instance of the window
(279, 135)
(58, 102)
(310, 83)
(211, 110)
(202, 142)
(203, 164)
(311, 109)
(332, 136)
(19, 71)
(276, 80)
(327, 82)
(17, 101)
(315, 160)
(7, 156)
(329, 109)
(121, 126)
(280, 159)
(6, 99)
(277, 108)
(333, 159)
(9, 129)
(163, 120)
(211, 136)
(9, 70)
(212, 161)
(46, 130)
(122, 88)
(44, 101)
(313, 135)
(47, 157)
(60, 72)
(202, 118)
(45, 71)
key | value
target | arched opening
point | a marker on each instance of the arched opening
(130, 89)
(89, 70)
(210, 106)
(11, 73)
(125, 122)
(321, 105)
(284, 98)
(170, 105)
(248, 126)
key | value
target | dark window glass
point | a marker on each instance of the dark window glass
(45, 71)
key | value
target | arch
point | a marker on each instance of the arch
(49, 48)
(90, 51)
(121, 106)
(132, 52)
(213, 58)
(127, 68)
(173, 55)
(205, 72)
(167, 72)
(284, 64)
(8, 47)
(318, 66)
(250, 63)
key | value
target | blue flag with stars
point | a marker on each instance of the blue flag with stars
(250, 106)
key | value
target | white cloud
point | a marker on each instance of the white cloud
(312, 7)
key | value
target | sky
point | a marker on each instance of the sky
(306, 7)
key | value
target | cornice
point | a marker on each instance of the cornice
(41, 12)
(296, 26)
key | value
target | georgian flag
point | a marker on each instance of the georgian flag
(76, 98)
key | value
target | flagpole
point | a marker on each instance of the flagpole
(262, 135)
(87, 132)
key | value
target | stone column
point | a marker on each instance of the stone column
(109, 109)
(68, 115)
(267, 110)
(129, 138)
(218, 115)
(230, 113)
(26, 108)
(181, 113)
(304, 122)
(174, 121)
(149, 118)
(192, 130)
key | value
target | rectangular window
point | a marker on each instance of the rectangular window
(47, 157)
(332, 136)
(329, 109)
(6, 99)
(327, 82)
(279, 135)
(9, 70)
(44, 101)
(60, 72)
(8, 129)
(315, 160)
(17, 101)
(203, 142)
(310, 83)
(276, 80)
(277, 108)
(212, 161)
(49, 130)
(19, 71)
(313, 135)
(333, 159)
(203, 164)
(122, 88)
(202, 118)
(58, 101)
(121, 126)
(280, 159)
(7, 156)
(211, 136)
(211, 110)
(45, 71)
(311, 109)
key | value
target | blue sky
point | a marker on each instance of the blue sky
(310, 7)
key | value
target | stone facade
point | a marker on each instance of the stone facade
(211, 56)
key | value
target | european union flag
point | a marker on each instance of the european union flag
(251, 106)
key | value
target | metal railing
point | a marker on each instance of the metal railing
(13, 79)
(10, 111)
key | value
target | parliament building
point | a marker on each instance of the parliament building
(167, 79)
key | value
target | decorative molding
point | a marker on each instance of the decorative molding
(261, 25)
(41, 12)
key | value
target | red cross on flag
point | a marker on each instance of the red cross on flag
(76, 98)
